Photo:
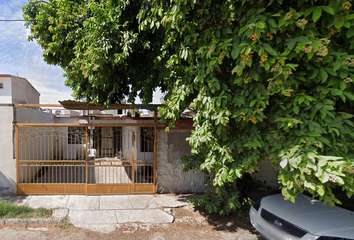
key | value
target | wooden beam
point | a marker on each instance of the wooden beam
(37, 105)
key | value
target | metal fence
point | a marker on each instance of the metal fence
(86, 158)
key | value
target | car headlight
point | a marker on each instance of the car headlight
(257, 205)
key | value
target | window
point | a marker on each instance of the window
(119, 111)
(1, 85)
(76, 135)
(147, 139)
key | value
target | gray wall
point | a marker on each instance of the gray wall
(36, 143)
(267, 174)
(23, 91)
(171, 147)
(27, 115)
(7, 161)
(7, 142)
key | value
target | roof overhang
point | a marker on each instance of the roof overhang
(76, 105)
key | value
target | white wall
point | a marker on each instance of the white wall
(6, 91)
(67, 151)
(7, 158)
(146, 156)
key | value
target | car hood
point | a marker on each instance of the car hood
(312, 215)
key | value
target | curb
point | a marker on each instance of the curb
(57, 218)
(32, 221)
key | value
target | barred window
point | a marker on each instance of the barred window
(76, 135)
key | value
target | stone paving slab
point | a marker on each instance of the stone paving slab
(157, 202)
(115, 202)
(60, 213)
(125, 216)
(140, 201)
(79, 217)
(83, 202)
(49, 202)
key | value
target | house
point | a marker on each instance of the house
(85, 149)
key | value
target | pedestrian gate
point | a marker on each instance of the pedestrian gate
(86, 159)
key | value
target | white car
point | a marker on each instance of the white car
(277, 219)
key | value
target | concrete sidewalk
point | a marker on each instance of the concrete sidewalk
(107, 212)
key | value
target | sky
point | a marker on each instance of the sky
(20, 57)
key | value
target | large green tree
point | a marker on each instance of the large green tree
(269, 80)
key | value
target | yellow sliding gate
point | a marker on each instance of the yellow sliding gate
(86, 159)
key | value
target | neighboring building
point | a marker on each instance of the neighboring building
(17, 90)
(14, 90)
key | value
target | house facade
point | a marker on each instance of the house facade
(85, 149)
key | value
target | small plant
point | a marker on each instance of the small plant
(66, 227)
(11, 210)
(65, 224)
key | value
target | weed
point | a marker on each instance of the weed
(66, 227)
(11, 210)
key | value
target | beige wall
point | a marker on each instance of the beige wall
(23, 91)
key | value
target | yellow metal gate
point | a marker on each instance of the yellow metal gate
(86, 158)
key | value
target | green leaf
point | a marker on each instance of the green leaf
(269, 49)
(235, 52)
(316, 14)
(324, 177)
(339, 23)
(349, 95)
(320, 190)
(261, 25)
(323, 75)
(314, 73)
(329, 10)
(342, 85)
(350, 32)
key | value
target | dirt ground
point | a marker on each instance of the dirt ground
(188, 224)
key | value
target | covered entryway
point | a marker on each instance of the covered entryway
(91, 159)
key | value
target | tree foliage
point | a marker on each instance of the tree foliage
(268, 79)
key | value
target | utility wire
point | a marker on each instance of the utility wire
(15, 20)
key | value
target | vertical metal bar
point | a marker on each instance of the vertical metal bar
(24, 156)
(155, 154)
(133, 162)
(17, 158)
(86, 157)
(37, 157)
